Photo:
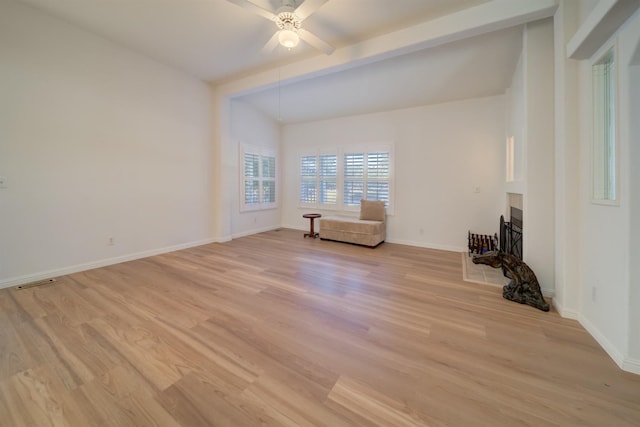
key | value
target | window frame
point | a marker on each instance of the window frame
(340, 153)
(607, 49)
(262, 153)
(318, 178)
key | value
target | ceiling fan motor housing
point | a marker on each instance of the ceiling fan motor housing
(288, 21)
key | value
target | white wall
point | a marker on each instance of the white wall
(249, 126)
(530, 111)
(538, 201)
(442, 153)
(95, 142)
(609, 292)
(567, 166)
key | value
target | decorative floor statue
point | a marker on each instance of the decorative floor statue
(524, 287)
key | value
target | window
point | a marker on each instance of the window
(319, 180)
(340, 181)
(328, 179)
(353, 179)
(604, 129)
(366, 176)
(308, 179)
(258, 179)
(378, 176)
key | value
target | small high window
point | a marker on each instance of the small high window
(604, 129)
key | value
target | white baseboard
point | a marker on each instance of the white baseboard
(296, 227)
(254, 231)
(397, 241)
(632, 365)
(611, 350)
(567, 314)
(15, 281)
(428, 245)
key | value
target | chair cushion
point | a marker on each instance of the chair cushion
(372, 210)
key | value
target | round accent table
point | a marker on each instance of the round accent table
(312, 217)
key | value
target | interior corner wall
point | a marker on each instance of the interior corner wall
(96, 142)
(252, 127)
(539, 168)
(609, 297)
(442, 154)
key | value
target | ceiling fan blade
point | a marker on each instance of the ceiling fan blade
(316, 42)
(271, 44)
(255, 9)
(308, 7)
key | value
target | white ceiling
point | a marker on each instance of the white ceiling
(470, 68)
(217, 41)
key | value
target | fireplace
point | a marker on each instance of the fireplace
(511, 233)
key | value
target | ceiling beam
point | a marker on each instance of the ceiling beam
(605, 18)
(487, 17)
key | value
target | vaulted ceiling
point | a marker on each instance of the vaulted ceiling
(219, 42)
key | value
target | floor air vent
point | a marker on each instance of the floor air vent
(37, 283)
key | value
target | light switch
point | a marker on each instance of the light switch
(3, 182)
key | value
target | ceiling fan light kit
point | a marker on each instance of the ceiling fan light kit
(289, 24)
(288, 19)
(288, 38)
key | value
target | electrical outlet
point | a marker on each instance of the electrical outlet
(3, 182)
(593, 294)
(111, 241)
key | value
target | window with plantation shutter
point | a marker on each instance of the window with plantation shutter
(251, 179)
(308, 176)
(339, 180)
(319, 180)
(258, 179)
(353, 183)
(328, 190)
(378, 176)
(367, 176)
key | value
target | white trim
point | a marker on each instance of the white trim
(296, 227)
(14, 281)
(567, 314)
(596, 58)
(254, 231)
(606, 345)
(428, 245)
(597, 27)
(632, 365)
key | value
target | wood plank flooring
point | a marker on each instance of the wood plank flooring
(277, 330)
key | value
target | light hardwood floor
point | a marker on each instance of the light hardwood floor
(274, 329)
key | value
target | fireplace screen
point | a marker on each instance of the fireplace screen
(511, 233)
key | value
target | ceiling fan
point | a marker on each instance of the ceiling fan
(288, 18)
